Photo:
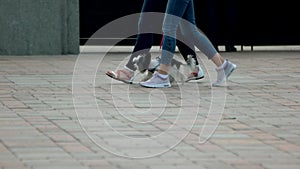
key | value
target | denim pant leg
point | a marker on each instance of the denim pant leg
(200, 40)
(190, 31)
(174, 12)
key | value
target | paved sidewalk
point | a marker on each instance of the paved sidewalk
(254, 120)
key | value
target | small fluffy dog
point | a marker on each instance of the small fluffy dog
(148, 68)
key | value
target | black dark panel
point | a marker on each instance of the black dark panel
(256, 22)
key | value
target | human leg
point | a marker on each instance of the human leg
(144, 40)
(146, 25)
(174, 11)
(224, 67)
(185, 9)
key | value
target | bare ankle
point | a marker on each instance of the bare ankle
(162, 72)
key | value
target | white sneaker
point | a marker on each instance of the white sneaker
(156, 82)
(223, 73)
(196, 75)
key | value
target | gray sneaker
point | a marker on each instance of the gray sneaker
(224, 73)
(156, 82)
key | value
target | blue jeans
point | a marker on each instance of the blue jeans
(180, 13)
(149, 24)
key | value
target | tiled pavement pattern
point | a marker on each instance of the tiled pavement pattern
(259, 129)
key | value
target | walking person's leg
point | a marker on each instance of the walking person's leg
(170, 26)
(144, 41)
(185, 9)
(224, 67)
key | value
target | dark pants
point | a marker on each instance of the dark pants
(144, 41)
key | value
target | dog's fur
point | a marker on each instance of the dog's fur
(140, 63)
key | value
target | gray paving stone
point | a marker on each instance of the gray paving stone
(258, 129)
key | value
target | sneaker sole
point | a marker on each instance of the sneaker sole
(156, 86)
(194, 78)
